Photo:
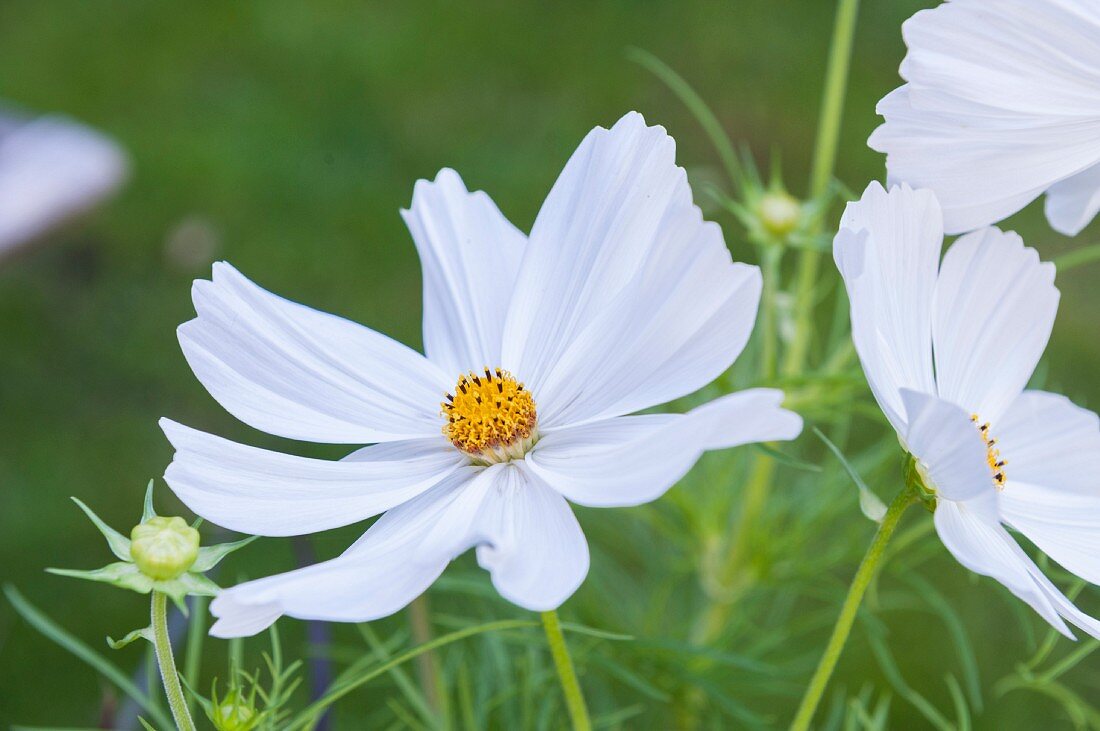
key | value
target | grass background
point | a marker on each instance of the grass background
(284, 137)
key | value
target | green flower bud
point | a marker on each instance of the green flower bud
(164, 548)
(779, 212)
(234, 713)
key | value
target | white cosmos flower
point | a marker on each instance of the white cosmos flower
(539, 346)
(948, 348)
(1002, 104)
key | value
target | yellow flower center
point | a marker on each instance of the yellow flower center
(491, 417)
(992, 454)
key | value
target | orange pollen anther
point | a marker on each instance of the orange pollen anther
(491, 417)
(992, 454)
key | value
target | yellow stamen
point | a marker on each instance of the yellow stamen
(490, 417)
(992, 454)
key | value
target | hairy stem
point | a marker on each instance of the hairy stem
(167, 664)
(574, 698)
(866, 572)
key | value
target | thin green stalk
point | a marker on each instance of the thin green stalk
(1077, 257)
(574, 698)
(713, 618)
(867, 570)
(427, 665)
(731, 574)
(163, 644)
(770, 258)
(825, 146)
(695, 104)
(196, 632)
(341, 688)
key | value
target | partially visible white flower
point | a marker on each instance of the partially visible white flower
(622, 298)
(1002, 104)
(51, 168)
(948, 349)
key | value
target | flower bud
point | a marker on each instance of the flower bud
(779, 212)
(164, 548)
(234, 713)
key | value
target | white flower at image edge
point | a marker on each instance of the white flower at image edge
(948, 349)
(539, 346)
(1001, 104)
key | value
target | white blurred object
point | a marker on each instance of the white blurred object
(51, 169)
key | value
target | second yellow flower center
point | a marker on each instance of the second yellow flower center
(992, 454)
(490, 416)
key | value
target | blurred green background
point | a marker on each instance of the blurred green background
(284, 137)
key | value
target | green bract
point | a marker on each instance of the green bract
(235, 712)
(162, 554)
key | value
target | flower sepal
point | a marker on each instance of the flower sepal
(237, 709)
(915, 480)
(145, 633)
(163, 554)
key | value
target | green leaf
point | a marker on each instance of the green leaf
(869, 502)
(120, 544)
(191, 584)
(786, 459)
(338, 690)
(148, 512)
(144, 632)
(893, 675)
(956, 628)
(146, 725)
(120, 574)
(695, 104)
(580, 629)
(185, 585)
(35, 618)
(210, 556)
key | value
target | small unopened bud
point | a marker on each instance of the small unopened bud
(779, 212)
(234, 713)
(164, 548)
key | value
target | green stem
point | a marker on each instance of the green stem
(770, 257)
(196, 632)
(163, 645)
(731, 576)
(825, 146)
(867, 570)
(574, 698)
(427, 665)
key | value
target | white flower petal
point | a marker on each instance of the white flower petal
(619, 245)
(888, 250)
(1072, 203)
(380, 574)
(1001, 104)
(655, 343)
(1050, 441)
(1053, 490)
(295, 372)
(986, 548)
(534, 548)
(1064, 525)
(526, 535)
(994, 309)
(257, 491)
(470, 255)
(52, 168)
(951, 451)
(635, 459)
